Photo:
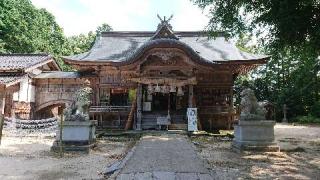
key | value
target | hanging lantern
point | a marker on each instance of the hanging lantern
(180, 91)
(157, 88)
(150, 89)
(172, 88)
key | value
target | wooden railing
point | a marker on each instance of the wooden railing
(101, 109)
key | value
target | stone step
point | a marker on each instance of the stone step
(146, 127)
(153, 121)
(178, 127)
(173, 121)
(148, 123)
(178, 120)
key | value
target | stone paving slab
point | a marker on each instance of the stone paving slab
(164, 176)
(167, 156)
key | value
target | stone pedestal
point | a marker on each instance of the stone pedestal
(76, 136)
(255, 136)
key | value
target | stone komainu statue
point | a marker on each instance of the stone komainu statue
(79, 109)
(251, 110)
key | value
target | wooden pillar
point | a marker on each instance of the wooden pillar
(190, 100)
(231, 115)
(169, 105)
(2, 99)
(2, 105)
(93, 86)
(139, 108)
(97, 91)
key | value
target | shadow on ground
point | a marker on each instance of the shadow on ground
(299, 157)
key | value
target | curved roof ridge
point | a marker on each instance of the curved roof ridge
(118, 47)
(151, 33)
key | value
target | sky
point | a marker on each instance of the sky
(82, 16)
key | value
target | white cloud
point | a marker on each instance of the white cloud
(189, 17)
(125, 15)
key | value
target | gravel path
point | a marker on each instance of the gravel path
(282, 131)
(167, 156)
(31, 158)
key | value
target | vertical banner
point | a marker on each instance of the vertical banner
(192, 119)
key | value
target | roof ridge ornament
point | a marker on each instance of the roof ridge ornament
(164, 21)
(164, 29)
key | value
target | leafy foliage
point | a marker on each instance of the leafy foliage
(287, 30)
(315, 109)
(26, 29)
(82, 43)
(103, 28)
(307, 119)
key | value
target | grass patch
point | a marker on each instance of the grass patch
(309, 119)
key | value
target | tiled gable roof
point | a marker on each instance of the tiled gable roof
(19, 62)
(120, 47)
(7, 79)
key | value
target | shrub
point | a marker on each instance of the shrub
(315, 109)
(307, 119)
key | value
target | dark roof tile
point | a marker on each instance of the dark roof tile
(122, 46)
(13, 62)
(6, 79)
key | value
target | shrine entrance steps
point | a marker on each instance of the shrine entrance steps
(149, 121)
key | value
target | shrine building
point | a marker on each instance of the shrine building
(140, 76)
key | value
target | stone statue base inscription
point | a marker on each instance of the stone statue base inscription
(76, 136)
(254, 136)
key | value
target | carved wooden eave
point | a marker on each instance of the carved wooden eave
(236, 67)
(172, 81)
(91, 65)
(168, 57)
(244, 66)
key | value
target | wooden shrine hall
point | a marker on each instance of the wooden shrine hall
(139, 76)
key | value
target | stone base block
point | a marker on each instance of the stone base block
(241, 146)
(72, 147)
(76, 136)
(255, 136)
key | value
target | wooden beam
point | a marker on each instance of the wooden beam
(2, 99)
(131, 114)
(190, 100)
(1, 125)
(139, 108)
(2, 105)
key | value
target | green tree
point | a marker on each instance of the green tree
(26, 29)
(287, 30)
(80, 43)
(103, 28)
(83, 42)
